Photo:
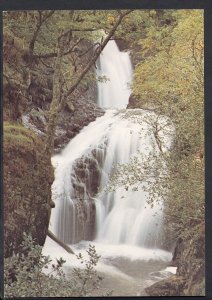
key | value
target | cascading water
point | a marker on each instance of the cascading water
(124, 216)
(84, 210)
(116, 67)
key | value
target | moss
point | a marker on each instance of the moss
(19, 138)
(11, 130)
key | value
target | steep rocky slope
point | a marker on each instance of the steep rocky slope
(28, 93)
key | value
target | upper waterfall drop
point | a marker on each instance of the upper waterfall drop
(117, 67)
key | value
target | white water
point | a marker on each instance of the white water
(125, 226)
(116, 66)
(121, 216)
(124, 216)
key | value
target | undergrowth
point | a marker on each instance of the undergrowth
(29, 273)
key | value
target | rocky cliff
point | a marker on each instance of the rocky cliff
(28, 93)
(28, 173)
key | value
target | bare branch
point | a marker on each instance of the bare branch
(54, 54)
(54, 238)
(40, 22)
(195, 56)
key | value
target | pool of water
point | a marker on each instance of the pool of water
(126, 270)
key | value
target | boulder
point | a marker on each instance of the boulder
(28, 176)
(172, 286)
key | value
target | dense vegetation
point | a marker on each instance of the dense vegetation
(60, 48)
(169, 79)
(37, 276)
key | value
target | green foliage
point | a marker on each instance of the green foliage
(24, 275)
(16, 128)
(18, 135)
(87, 280)
(32, 274)
(84, 25)
(169, 79)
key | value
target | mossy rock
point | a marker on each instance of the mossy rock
(28, 176)
(172, 286)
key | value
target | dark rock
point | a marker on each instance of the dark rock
(70, 123)
(85, 177)
(133, 102)
(122, 44)
(189, 258)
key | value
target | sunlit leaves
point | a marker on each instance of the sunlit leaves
(169, 79)
(32, 274)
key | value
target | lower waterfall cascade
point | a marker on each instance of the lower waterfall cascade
(120, 220)
(84, 168)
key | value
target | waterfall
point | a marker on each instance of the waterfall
(123, 216)
(84, 210)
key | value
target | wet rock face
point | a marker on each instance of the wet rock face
(85, 177)
(133, 102)
(122, 44)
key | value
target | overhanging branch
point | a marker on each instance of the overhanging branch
(96, 54)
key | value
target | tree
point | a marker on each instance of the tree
(66, 32)
(169, 79)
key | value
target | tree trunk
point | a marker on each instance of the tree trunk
(56, 98)
(54, 238)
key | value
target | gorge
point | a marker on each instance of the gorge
(103, 151)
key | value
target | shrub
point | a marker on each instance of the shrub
(25, 277)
